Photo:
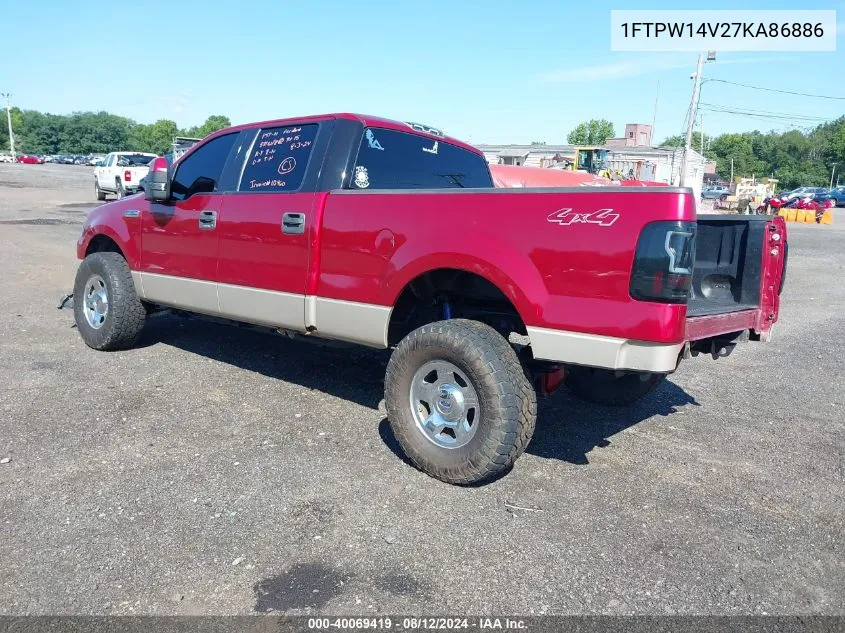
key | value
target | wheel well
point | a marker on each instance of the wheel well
(103, 244)
(451, 293)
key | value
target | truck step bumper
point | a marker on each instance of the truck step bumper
(603, 351)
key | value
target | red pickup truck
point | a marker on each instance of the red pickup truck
(392, 235)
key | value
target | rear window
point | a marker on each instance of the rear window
(278, 159)
(388, 159)
(134, 160)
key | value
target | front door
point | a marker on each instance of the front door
(265, 230)
(179, 239)
(104, 171)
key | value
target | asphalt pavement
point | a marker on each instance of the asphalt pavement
(220, 470)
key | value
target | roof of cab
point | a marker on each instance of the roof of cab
(365, 119)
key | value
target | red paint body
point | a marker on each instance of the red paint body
(173, 243)
(367, 246)
(563, 277)
(253, 251)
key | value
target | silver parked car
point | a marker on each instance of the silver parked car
(715, 192)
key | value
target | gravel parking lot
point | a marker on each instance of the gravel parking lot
(221, 470)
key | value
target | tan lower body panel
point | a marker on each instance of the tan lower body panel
(362, 323)
(603, 351)
(139, 284)
(367, 324)
(262, 307)
(180, 292)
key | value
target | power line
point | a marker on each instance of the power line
(786, 92)
(763, 113)
(763, 117)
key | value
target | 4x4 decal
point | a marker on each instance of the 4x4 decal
(566, 217)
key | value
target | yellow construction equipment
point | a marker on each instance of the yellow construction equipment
(593, 160)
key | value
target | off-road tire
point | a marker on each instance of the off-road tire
(101, 195)
(125, 317)
(603, 386)
(507, 401)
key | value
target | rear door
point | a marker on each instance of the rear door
(180, 238)
(266, 226)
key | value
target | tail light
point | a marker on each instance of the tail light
(159, 163)
(127, 176)
(663, 262)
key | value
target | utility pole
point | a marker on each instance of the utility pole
(833, 169)
(654, 116)
(732, 172)
(8, 97)
(693, 109)
(702, 134)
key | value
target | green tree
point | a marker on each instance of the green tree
(592, 132)
(156, 137)
(95, 132)
(212, 124)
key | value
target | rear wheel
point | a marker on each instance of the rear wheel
(459, 402)
(119, 190)
(108, 312)
(611, 388)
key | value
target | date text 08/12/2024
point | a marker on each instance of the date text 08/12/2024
(417, 623)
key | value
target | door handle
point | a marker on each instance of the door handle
(293, 223)
(208, 220)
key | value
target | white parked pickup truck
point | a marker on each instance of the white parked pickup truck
(120, 172)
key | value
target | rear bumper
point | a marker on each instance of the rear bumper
(603, 351)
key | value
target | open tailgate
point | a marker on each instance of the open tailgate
(740, 266)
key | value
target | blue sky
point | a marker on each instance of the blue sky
(504, 72)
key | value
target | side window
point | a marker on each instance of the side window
(388, 159)
(201, 171)
(109, 160)
(279, 158)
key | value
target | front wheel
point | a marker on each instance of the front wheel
(108, 312)
(611, 388)
(101, 195)
(459, 402)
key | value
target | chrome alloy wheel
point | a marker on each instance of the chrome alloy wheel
(444, 404)
(96, 302)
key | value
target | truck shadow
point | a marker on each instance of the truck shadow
(567, 428)
(350, 372)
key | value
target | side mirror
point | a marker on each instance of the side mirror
(157, 185)
(99, 163)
